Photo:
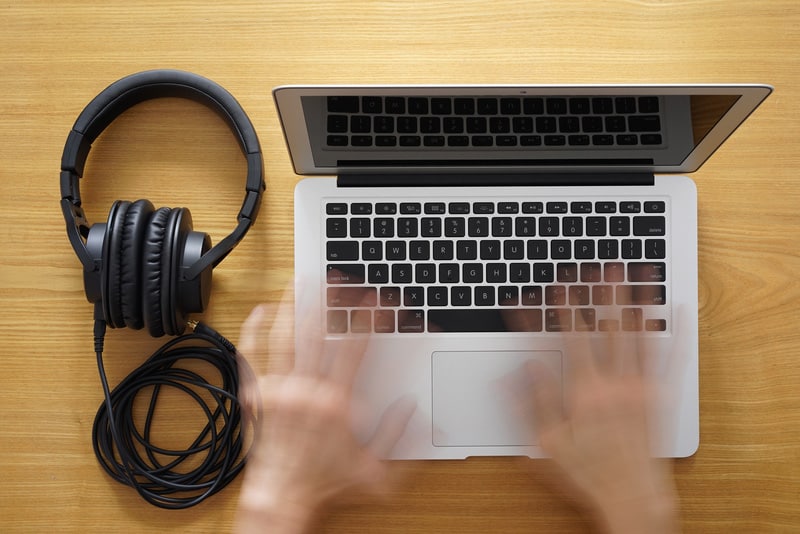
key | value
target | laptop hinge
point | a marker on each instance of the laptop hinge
(492, 179)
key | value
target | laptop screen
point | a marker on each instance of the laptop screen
(336, 129)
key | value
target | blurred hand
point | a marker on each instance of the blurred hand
(306, 455)
(599, 441)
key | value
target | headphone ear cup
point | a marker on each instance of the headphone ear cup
(130, 299)
(152, 271)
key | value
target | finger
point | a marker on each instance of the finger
(546, 397)
(252, 345)
(309, 334)
(392, 425)
(282, 335)
(581, 351)
(349, 352)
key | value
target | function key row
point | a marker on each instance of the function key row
(487, 208)
(553, 105)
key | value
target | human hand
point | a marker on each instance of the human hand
(599, 441)
(306, 454)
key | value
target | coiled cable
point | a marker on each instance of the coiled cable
(173, 479)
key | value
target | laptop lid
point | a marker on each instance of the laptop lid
(520, 129)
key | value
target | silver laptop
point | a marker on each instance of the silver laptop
(469, 229)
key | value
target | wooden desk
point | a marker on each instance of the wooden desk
(55, 56)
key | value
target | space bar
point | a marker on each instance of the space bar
(485, 320)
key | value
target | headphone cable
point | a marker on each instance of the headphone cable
(168, 478)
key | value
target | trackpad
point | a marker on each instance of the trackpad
(473, 402)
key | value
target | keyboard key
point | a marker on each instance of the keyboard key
(579, 296)
(361, 321)
(336, 208)
(425, 273)
(605, 207)
(585, 320)
(410, 208)
(558, 320)
(532, 296)
(644, 123)
(449, 273)
(591, 272)
(383, 227)
(649, 225)
(620, 226)
(361, 208)
(359, 227)
(630, 207)
(455, 227)
(655, 249)
(484, 296)
(431, 227)
(337, 321)
(413, 296)
(435, 208)
(378, 273)
(580, 207)
(417, 105)
(372, 250)
(508, 295)
(458, 208)
(345, 273)
(508, 207)
(395, 105)
(384, 321)
(602, 295)
(472, 273)
(437, 296)
(641, 295)
(614, 272)
(352, 297)
(336, 227)
(548, 226)
(648, 104)
(342, 104)
(490, 249)
(532, 207)
(647, 272)
(396, 250)
(632, 320)
(555, 295)
(543, 273)
(342, 250)
(485, 320)
(608, 325)
(401, 273)
(655, 207)
(410, 321)
(461, 296)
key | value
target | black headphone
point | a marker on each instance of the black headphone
(146, 267)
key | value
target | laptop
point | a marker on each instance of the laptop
(471, 229)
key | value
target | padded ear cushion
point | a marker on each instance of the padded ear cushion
(112, 264)
(170, 261)
(137, 219)
(152, 271)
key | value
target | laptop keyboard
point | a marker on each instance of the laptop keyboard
(496, 265)
(378, 122)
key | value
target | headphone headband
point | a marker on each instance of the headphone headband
(123, 95)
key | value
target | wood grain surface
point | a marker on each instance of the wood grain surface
(56, 56)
